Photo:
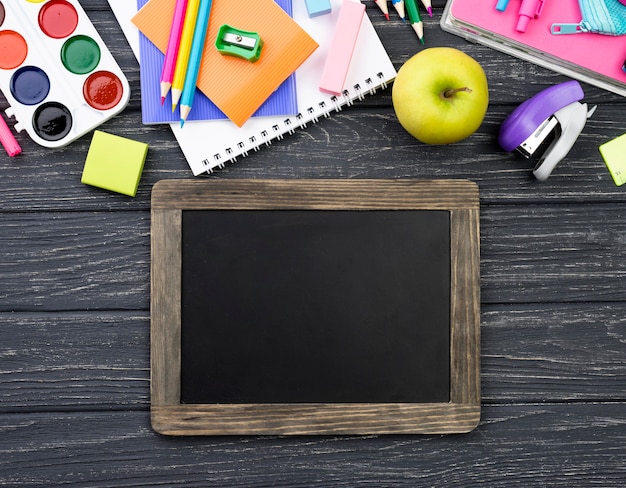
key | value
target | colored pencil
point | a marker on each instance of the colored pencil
(428, 7)
(184, 50)
(382, 4)
(399, 6)
(195, 57)
(169, 63)
(414, 19)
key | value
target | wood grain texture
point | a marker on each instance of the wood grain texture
(165, 306)
(315, 419)
(316, 194)
(100, 360)
(465, 306)
(94, 261)
(74, 303)
(542, 444)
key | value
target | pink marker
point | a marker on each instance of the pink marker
(169, 64)
(342, 46)
(7, 139)
(529, 9)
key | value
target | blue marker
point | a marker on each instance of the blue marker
(501, 5)
(195, 57)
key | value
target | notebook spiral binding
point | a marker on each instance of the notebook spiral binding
(289, 125)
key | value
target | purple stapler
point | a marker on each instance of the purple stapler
(546, 126)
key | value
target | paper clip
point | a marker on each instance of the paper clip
(236, 42)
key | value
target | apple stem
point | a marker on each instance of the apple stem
(453, 91)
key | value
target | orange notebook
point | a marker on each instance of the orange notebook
(238, 87)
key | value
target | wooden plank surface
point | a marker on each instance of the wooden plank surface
(101, 260)
(74, 303)
(538, 445)
(530, 353)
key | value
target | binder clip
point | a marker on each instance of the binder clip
(546, 126)
(236, 42)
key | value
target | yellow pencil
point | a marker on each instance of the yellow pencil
(183, 51)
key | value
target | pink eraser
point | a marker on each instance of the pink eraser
(342, 46)
(11, 146)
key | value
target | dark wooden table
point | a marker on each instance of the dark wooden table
(74, 303)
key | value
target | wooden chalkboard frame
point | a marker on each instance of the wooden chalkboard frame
(461, 414)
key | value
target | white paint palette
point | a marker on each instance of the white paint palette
(56, 72)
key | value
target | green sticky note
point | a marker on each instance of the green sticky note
(614, 154)
(114, 163)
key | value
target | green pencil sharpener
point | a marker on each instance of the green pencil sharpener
(236, 42)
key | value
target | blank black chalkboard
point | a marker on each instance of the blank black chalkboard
(329, 306)
(315, 306)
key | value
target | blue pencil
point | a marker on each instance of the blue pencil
(399, 6)
(195, 57)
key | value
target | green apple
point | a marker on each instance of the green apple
(440, 95)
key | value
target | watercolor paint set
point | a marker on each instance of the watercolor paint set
(56, 72)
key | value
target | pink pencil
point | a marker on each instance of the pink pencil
(169, 64)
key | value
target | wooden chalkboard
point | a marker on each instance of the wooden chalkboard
(315, 307)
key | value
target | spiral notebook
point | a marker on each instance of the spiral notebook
(208, 145)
